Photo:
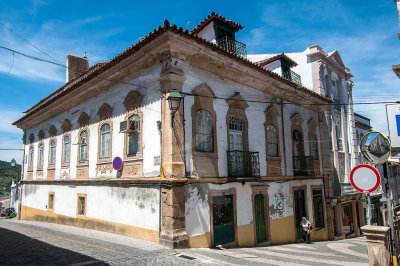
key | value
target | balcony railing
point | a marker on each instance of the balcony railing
(293, 76)
(303, 166)
(233, 46)
(243, 164)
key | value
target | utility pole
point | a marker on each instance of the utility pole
(390, 210)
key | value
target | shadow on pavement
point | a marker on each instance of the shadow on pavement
(19, 249)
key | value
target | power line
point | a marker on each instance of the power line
(31, 56)
(29, 42)
(207, 96)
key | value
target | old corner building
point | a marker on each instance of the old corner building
(238, 163)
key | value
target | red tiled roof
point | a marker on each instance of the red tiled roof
(212, 16)
(276, 57)
(97, 69)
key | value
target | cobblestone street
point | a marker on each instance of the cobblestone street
(35, 243)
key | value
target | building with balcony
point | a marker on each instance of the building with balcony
(238, 161)
(325, 73)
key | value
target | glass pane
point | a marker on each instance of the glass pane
(204, 131)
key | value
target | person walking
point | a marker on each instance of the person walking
(305, 229)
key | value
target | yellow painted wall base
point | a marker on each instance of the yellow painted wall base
(319, 235)
(245, 235)
(200, 241)
(28, 213)
(283, 230)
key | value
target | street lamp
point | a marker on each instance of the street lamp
(174, 100)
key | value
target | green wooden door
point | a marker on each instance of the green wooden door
(223, 220)
(260, 217)
(300, 209)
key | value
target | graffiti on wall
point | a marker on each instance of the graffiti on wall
(279, 204)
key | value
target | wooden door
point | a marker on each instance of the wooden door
(223, 220)
(260, 217)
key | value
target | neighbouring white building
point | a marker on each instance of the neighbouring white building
(238, 162)
(325, 73)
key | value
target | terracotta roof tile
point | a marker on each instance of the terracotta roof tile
(97, 69)
(212, 16)
(276, 57)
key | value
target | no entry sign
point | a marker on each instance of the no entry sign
(365, 178)
(117, 163)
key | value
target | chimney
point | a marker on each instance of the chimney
(76, 65)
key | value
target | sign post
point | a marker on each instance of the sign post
(376, 148)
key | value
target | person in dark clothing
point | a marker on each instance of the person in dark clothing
(305, 229)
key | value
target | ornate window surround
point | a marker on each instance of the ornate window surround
(297, 121)
(133, 106)
(237, 108)
(204, 160)
(273, 163)
(40, 164)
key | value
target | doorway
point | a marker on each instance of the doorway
(348, 224)
(300, 209)
(223, 220)
(259, 212)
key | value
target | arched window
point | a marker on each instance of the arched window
(313, 147)
(30, 160)
(133, 136)
(52, 155)
(40, 157)
(65, 155)
(272, 141)
(83, 146)
(204, 131)
(297, 143)
(105, 141)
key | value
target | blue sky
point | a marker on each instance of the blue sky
(364, 32)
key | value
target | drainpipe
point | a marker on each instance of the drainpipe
(21, 174)
(161, 169)
(283, 139)
(184, 135)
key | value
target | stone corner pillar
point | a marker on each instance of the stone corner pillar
(173, 225)
(378, 254)
(173, 163)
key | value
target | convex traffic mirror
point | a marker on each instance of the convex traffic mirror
(375, 147)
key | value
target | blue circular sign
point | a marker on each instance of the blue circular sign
(117, 163)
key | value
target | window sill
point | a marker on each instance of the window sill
(269, 158)
(133, 158)
(30, 170)
(205, 154)
(104, 160)
(65, 166)
(82, 164)
(51, 167)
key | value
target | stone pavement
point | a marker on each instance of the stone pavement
(36, 243)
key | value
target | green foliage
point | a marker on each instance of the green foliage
(7, 173)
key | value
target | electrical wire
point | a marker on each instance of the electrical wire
(207, 96)
(37, 48)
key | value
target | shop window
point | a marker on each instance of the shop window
(50, 205)
(82, 205)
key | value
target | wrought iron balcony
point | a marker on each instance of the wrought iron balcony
(243, 164)
(293, 76)
(233, 46)
(303, 166)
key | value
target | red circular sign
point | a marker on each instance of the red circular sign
(117, 163)
(365, 178)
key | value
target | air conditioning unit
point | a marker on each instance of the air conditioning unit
(128, 126)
